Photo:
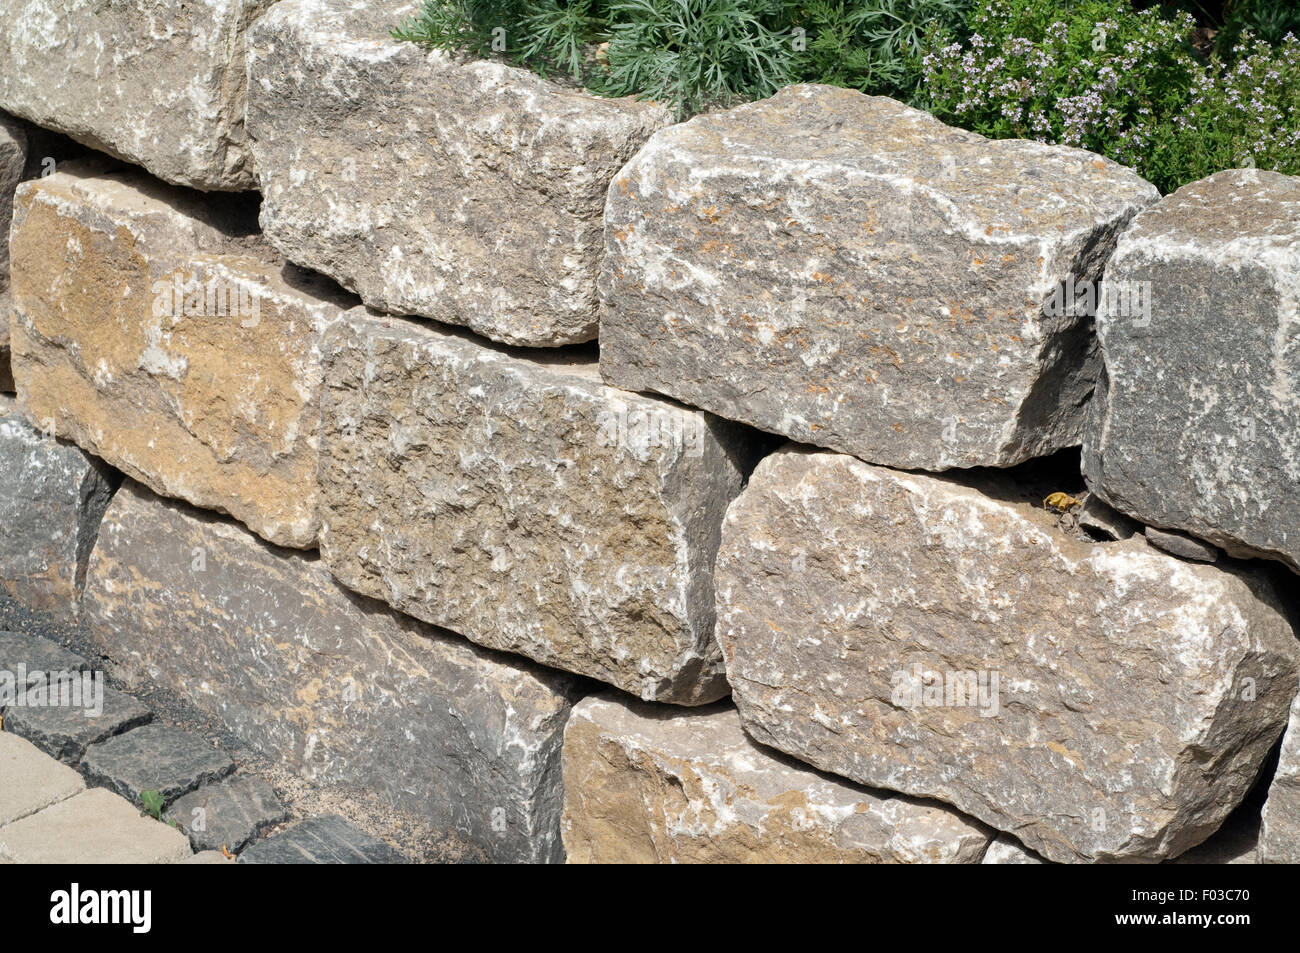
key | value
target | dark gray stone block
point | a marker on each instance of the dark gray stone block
(155, 757)
(228, 814)
(327, 839)
(65, 732)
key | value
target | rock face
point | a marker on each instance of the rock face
(854, 274)
(641, 787)
(338, 687)
(1279, 839)
(51, 499)
(13, 158)
(160, 84)
(155, 336)
(517, 500)
(1104, 701)
(470, 192)
(1197, 426)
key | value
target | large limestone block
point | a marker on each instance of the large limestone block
(1279, 838)
(1197, 425)
(51, 499)
(517, 500)
(339, 688)
(470, 192)
(854, 274)
(1103, 701)
(645, 786)
(160, 84)
(185, 355)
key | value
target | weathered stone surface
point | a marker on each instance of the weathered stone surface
(519, 501)
(155, 758)
(149, 332)
(160, 84)
(470, 192)
(13, 158)
(37, 656)
(852, 273)
(1279, 839)
(1197, 422)
(1236, 842)
(93, 827)
(642, 785)
(1007, 850)
(208, 857)
(950, 641)
(1104, 521)
(228, 814)
(31, 780)
(338, 687)
(66, 731)
(327, 839)
(51, 498)
(1181, 545)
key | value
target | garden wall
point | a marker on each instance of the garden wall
(590, 484)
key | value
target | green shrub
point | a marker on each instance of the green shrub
(1123, 83)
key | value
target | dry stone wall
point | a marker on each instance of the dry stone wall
(457, 474)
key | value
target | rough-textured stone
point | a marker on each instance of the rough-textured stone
(1279, 839)
(13, 158)
(65, 732)
(209, 394)
(519, 501)
(1181, 545)
(642, 785)
(1197, 422)
(1236, 842)
(30, 779)
(155, 758)
(852, 273)
(338, 687)
(1104, 521)
(1007, 850)
(229, 814)
(93, 827)
(208, 857)
(37, 655)
(327, 839)
(466, 191)
(51, 499)
(160, 84)
(1136, 695)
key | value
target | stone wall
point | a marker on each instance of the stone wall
(808, 481)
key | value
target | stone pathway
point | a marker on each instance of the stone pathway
(76, 776)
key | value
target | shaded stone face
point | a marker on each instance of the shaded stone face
(515, 499)
(854, 274)
(1197, 425)
(51, 499)
(13, 158)
(641, 786)
(185, 356)
(1279, 839)
(340, 688)
(160, 84)
(470, 192)
(1104, 701)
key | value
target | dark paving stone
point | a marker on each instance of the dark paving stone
(155, 757)
(327, 839)
(65, 732)
(228, 814)
(36, 655)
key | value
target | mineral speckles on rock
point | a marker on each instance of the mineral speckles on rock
(160, 84)
(517, 500)
(1197, 425)
(852, 273)
(180, 354)
(1104, 701)
(643, 787)
(470, 192)
(338, 687)
(51, 499)
(1279, 839)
